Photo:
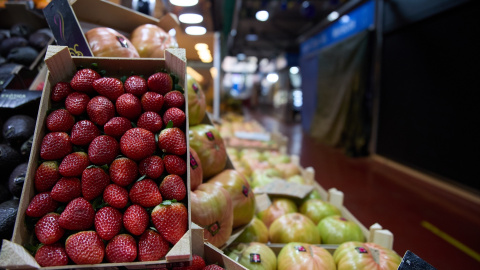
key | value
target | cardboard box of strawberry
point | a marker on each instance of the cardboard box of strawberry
(107, 180)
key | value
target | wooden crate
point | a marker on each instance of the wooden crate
(61, 67)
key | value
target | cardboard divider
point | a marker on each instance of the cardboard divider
(61, 67)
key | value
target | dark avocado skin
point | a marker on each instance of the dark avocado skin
(9, 159)
(5, 194)
(17, 178)
(10, 43)
(8, 214)
(17, 129)
(22, 55)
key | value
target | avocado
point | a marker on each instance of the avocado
(11, 43)
(9, 159)
(40, 38)
(8, 214)
(4, 34)
(17, 129)
(17, 178)
(20, 30)
(22, 55)
(2, 60)
(26, 148)
(5, 194)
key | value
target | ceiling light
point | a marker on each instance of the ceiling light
(272, 77)
(262, 15)
(196, 30)
(204, 54)
(190, 18)
(251, 37)
(184, 3)
(294, 70)
(201, 46)
(332, 16)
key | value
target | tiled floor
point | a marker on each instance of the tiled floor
(419, 215)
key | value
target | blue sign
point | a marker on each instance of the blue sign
(348, 25)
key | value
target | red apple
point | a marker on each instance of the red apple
(299, 256)
(196, 170)
(210, 148)
(242, 196)
(212, 209)
(278, 208)
(196, 101)
(356, 255)
(293, 227)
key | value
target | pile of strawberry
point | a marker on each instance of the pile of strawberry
(111, 180)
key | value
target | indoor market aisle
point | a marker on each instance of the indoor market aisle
(441, 228)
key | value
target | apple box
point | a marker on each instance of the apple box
(61, 67)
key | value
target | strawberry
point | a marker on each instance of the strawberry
(173, 188)
(83, 79)
(85, 247)
(213, 267)
(47, 229)
(174, 99)
(152, 246)
(198, 263)
(83, 132)
(122, 248)
(103, 150)
(78, 215)
(172, 141)
(46, 176)
(175, 115)
(55, 145)
(117, 126)
(60, 120)
(94, 181)
(171, 220)
(123, 171)
(74, 164)
(109, 87)
(175, 164)
(152, 167)
(152, 102)
(108, 222)
(51, 255)
(76, 103)
(66, 189)
(150, 121)
(135, 219)
(145, 193)
(160, 82)
(135, 85)
(137, 143)
(40, 205)
(129, 106)
(60, 91)
(115, 196)
(100, 109)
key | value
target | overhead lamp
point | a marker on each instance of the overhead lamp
(201, 46)
(184, 3)
(294, 70)
(261, 15)
(195, 30)
(272, 77)
(190, 18)
(332, 16)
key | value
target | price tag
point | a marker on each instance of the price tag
(282, 187)
(253, 136)
(411, 261)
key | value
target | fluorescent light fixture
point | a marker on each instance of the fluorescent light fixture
(190, 18)
(195, 30)
(332, 16)
(261, 15)
(294, 70)
(272, 77)
(184, 3)
(201, 46)
(251, 37)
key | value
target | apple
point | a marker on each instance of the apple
(263, 177)
(279, 207)
(357, 255)
(337, 230)
(212, 209)
(254, 256)
(196, 171)
(209, 145)
(287, 169)
(242, 196)
(255, 231)
(196, 101)
(297, 179)
(296, 255)
(293, 227)
(317, 209)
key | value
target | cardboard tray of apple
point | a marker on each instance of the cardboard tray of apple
(103, 214)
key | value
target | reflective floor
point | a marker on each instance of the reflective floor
(438, 226)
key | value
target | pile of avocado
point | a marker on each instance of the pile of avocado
(16, 140)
